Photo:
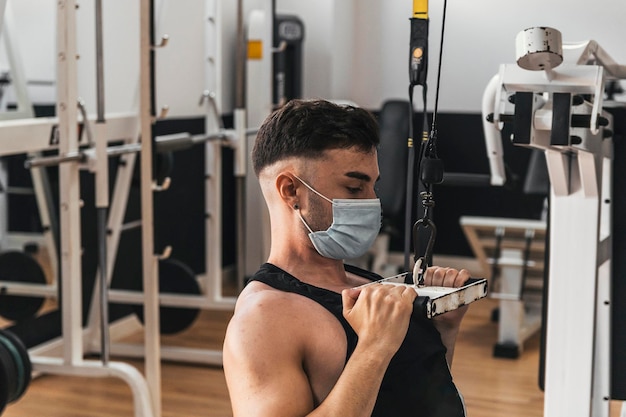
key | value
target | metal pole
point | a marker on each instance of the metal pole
(241, 152)
(149, 260)
(102, 191)
(99, 64)
(240, 72)
(69, 185)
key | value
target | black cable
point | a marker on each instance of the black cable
(408, 207)
(432, 140)
(412, 168)
(429, 166)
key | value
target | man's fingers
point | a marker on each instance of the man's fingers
(446, 277)
(462, 278)
(408, 291)
(377, 291)
(349, 297)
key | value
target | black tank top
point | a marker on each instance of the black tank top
(417, 381)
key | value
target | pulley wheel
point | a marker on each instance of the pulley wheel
(20, 267)
(174, 277)
(15, 368)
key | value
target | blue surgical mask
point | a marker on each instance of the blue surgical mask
(356, 223)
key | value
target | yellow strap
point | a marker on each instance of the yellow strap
(420, 9)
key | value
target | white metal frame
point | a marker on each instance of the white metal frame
(577, 371)
(211, 283)
(34, 135)
(259, 106)
(39, 177)
(519, 314)
(146, 395)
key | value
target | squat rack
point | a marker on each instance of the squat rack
(34, 135)
(146, 391)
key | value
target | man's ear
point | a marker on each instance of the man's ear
(287, 187)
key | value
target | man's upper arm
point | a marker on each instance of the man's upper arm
(263, 364)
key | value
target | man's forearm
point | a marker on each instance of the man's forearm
(448, 334)
(356, 390)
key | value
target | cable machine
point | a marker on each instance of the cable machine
(558, 90)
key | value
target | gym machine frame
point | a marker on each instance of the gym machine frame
(216, 137)
(44, 134)
(146, 391)
(506, 247)
(548, 115)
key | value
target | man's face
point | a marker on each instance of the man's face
(343, 173)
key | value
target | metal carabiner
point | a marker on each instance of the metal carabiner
(426, 258)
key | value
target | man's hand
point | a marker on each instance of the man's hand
(449, 323)
(447, 277)
(379, 314)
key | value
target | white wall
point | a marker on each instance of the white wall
(354, 49)
(479, 35)
(180, 72)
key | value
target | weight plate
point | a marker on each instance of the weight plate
(22, 359)
(174, 277)
(8, 374)
(20, 267)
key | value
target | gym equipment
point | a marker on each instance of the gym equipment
(559, 110)
(513, 249)
(28, 136)
(19, 267)
(59, 136)
(273, 74)
(288, 38)
(177, 278)
(15, 369)
(392, 161)
(433, 301)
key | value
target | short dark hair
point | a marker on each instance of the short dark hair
(307, 128)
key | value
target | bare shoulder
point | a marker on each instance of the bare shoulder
(259, 303)
(263, 317)
(263, 355)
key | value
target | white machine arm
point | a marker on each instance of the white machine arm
(493, 136)
(593, 54)
(559, 111)
(585, 68)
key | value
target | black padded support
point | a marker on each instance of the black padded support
(561, 115)
(466, 179)
(392, 161)
(523, 118)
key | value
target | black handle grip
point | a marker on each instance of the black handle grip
(418, 58)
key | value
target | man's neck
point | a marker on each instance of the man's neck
(313, 269)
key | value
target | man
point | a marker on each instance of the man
(303, 340)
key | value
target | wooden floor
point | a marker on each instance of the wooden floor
(491, 387)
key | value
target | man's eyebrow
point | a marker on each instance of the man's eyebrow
(360, 176)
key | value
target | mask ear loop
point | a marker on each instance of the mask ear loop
(296, 206)
(297, 209)
(312, 189)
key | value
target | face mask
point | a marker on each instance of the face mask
(356, 223)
